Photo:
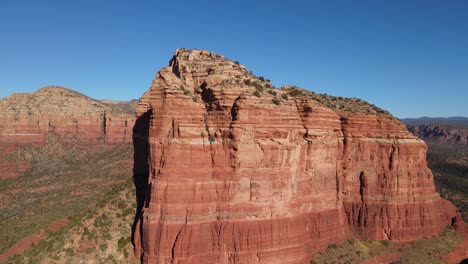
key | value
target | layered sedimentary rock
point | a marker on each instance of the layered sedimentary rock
(240, 172)
(29, 119)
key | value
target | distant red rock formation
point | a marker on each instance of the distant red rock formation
(434, 133)
(240, 172)
(27, 119)
(440, 130)
(84, 129)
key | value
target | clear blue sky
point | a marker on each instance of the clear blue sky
(408, 57)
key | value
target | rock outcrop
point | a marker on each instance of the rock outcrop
(241, 172)
(27, 119)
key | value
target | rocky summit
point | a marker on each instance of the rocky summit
(242, 172)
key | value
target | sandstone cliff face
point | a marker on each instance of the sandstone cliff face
(27, 119)
(243, 173)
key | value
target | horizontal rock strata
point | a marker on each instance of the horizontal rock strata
(27, 118)
(31, 119)
(240, 172)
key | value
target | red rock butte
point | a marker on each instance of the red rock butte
(241, 172)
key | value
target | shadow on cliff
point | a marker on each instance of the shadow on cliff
(140, 164)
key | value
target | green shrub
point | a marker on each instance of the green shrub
(128, 211)
(103, 247)
(284, 96)
(256, 93)
(276, 101)
(103, 221)
(272, 92)
(122, 205)
(296, 92)
(258, 86)
(122, 242)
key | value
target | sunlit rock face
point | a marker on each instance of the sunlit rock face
(27, 118)
(243, 173)
(57, 113)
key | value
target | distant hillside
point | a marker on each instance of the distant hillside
(28, 117)
(60, 101)
(450, 130)
(455, 121)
